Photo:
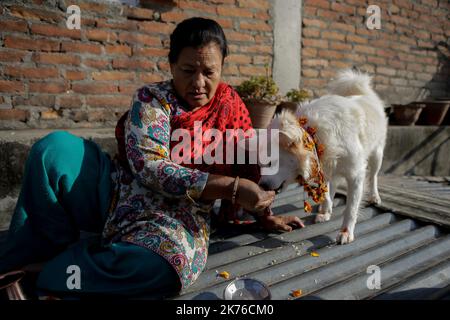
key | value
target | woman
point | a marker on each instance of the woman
(153, 212)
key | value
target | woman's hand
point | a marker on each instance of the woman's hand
(252, 197)
(280, 223)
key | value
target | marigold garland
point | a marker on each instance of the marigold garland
(316, 186)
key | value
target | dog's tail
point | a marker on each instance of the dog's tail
(350, 82)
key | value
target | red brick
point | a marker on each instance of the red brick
(35, 14)
(309, 11)
(133, 64)
(137, 38)
(238, 36)
(262, 60)
(14, 114)
(342, 26)
(315, 62)
(150, 52)
(97, 64)
(262, 39)
(148, 77)
(30, 44)
(261, 15)
(234, 12)
(325, 4)
(128, 89)
(173, 16)
(13, 25)
(333, 35)
(376, 60)
(396, 64)
(122, 25)
(252, 70)
(199, 6)
(315, 43)
(357, 39)
(112, 75)
(34, 73)
(94, 88)
(122, 101)
(81, 47)
(312, 73)
(256, 49)
(118, 49)
(11, 86)
(55, 58)
(311, 82)
(386, 53)
(90, 7)
(155, 27)
(364, 49)
(47, 87)
(12, 56)
(70, 102)
(340, 46)
(386, 71)
(239, 58)
(254, 4)
(328, 14)
(137, 13)
(101, 35)
(315, 23)
(309, 52)
(55, 31)
(75, 75)
(163, 66)
(339, 7)
(340, 64)
(355, 57)
(39, 100)
(416, 67)
(258, 26)
(225, 23)
(311, 32)
(331, 54)
(101, 115)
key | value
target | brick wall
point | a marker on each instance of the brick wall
(53, 77)
(403, 55)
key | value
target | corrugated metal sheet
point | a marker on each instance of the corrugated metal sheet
(413, 256)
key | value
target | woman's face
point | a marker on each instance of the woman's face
(197, 73)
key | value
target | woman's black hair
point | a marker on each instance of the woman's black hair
(196, 33)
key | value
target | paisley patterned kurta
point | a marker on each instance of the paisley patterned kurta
(154, 203)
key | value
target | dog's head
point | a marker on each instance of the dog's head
(294, 159)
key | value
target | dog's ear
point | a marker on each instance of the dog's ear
(290, 130)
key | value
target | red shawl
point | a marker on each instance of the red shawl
(225, 111)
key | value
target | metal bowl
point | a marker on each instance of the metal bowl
(246, 289)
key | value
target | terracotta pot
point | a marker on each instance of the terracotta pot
(434, 112)
(261, 112)
(407, 114)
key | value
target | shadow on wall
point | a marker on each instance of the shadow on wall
(426, 154)
(439, 85)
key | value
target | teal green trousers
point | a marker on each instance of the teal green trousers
(66, 189)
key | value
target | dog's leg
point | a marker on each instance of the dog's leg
(374, 166)
(326, 208)
(355, 184)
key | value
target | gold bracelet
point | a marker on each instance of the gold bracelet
(235, 187)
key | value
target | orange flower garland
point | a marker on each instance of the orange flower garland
(316, 186)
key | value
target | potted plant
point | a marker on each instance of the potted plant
(260, 95)
(292, 99)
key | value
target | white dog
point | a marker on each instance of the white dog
(351, 124)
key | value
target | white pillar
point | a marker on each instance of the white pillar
(287, 43)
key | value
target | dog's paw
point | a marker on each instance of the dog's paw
(375, 199)
(322, 217)
(345, 237)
